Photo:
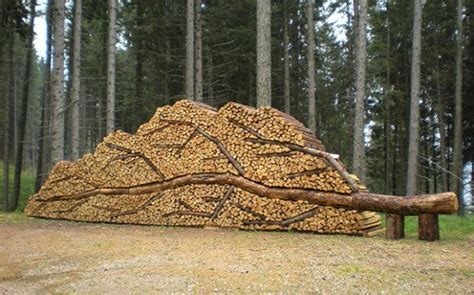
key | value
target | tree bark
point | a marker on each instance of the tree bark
(442, 130)
(76, 80)
(24, 107)
(138, 107)
(386, 107)
(458, 144)
(8, 123)
(57, 91)
(189, 79)
(210, 86)
(428, 227)
(264, 62)
(198, 53)
(359, 165)
(110, 114)
(44, 140)
(413, 144)
(286, 60)
(394, 226)
(311, 68)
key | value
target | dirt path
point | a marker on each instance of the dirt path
(67, 257)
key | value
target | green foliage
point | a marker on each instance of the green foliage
(27, 186)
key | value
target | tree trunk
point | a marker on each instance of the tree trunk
(286, 60)
(57, 91)
(138, 107)
(386, 107)
(189, 79)
(311, 68)
(210, 87)
(76, 80)
(413, 144)
(264, 62)
(457, 150)
(8, 123)
(198, 52)
(361, 61)
(44, 139)
(24, 107)
(110, 115)
(442, 130)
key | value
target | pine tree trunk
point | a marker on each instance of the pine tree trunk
(110, 114)
(76, 80)
(24, 107)
(311, 68)
(57, 89)
(361, 61)
(198, 52)
(413, 144)
(8, 123)
(286, 60)
(386, 106)
(264, 66)
(442, 130)
(189, 77)
(457, 150)
(44, 142)
(210, 87)
(138, 107)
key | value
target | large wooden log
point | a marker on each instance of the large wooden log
(442, 203)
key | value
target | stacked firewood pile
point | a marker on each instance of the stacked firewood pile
(192, 165)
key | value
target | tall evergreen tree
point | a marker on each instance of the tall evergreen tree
(110, 116)
(359, 165)
(264, 67)
(76, 80)
(311, 68)
(413, 148)
(458, 150)
(24, 106)
(189, 76)
(57, 88)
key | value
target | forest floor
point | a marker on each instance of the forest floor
(47, 256)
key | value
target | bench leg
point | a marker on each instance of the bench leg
(428, 227)
(395, 226)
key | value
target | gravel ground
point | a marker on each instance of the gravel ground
(44, 257)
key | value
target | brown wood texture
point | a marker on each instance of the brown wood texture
(428, 227)
(237, 166)
(395, 226)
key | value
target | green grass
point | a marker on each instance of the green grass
(452, 227)
(26, 190)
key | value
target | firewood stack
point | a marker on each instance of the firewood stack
(191, 165)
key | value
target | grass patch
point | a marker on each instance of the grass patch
(452, 227)
(350, 268)
(27, 187)
(13, 218)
